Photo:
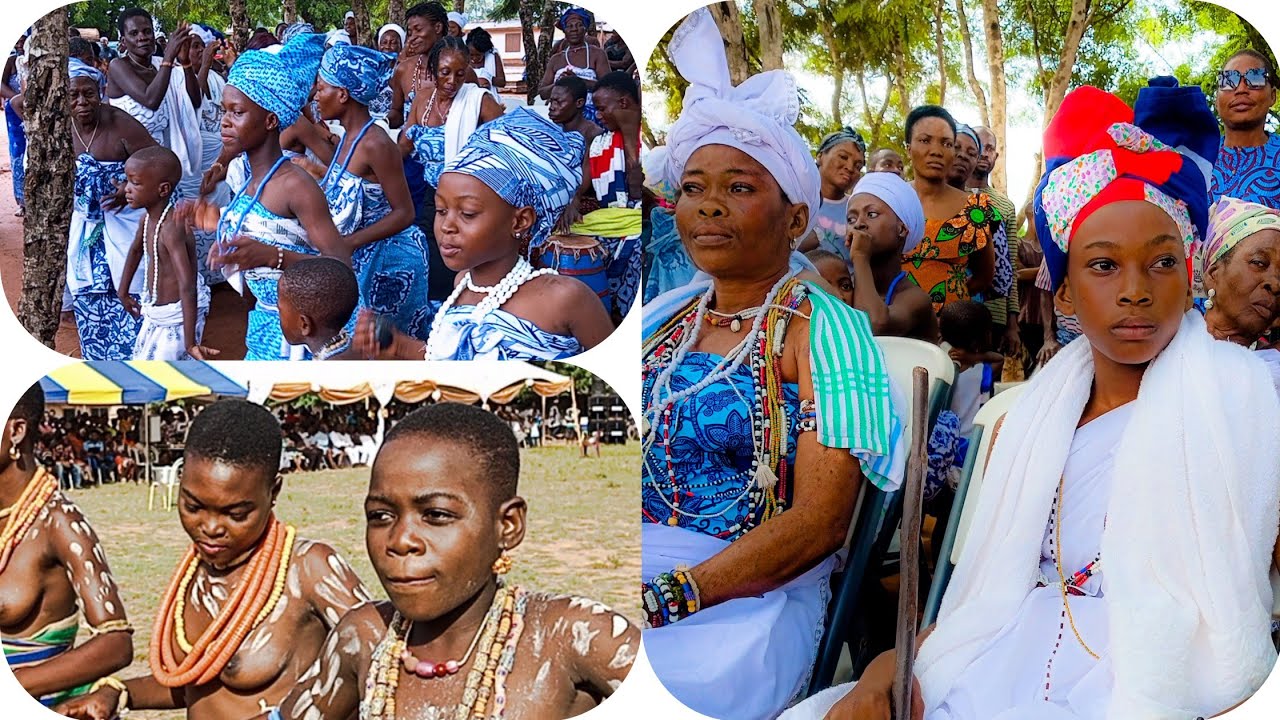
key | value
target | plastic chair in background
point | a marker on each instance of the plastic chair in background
(164, 478)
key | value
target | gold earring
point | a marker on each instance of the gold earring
(502, 565)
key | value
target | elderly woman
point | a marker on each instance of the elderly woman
(102, 228)
(964, 252)
(762, 394)
(1241, 262)
(841, 158)
(1117, 562)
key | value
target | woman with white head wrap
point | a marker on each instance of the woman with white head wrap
(886, 222)
(391, 39)
(457, 23)
(740, 369)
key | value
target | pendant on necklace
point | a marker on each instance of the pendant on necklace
(736, 324)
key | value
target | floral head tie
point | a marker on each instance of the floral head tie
(1100, 152)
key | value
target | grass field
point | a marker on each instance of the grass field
(583, 535)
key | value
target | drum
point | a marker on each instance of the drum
(581, 257)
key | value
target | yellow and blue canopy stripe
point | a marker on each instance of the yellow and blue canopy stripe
(135, 382)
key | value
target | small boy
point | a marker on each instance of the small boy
(175, 299)
(317, 299)
(835, 271)
(886, 160)
(966, 329)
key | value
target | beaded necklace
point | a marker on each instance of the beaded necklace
(24, 512)
(765, 483)
(496, 295)
(151, 251)
(495, 646)
(252, 601)
(337, 344)
(1076, 580)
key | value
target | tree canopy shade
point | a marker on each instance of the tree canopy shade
(1011, 60)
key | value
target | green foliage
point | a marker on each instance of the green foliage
(324, 14)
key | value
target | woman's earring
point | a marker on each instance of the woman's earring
(14, 453)
(795, 243)
(1208, 303)
(502, 565)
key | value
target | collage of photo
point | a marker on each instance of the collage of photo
(956, 389)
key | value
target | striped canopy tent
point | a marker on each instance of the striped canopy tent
(135, 382)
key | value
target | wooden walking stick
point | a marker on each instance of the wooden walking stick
(909, 565)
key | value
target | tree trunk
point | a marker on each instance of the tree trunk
(50, 173)
(646, 134)
(460, 6)
(395, 12)
(976, 87)
(536, 52)
(770, 24)
(904, 97)
(942, 58)
(239, 23)
(290, 11)
(364, 33)
(837, 73)
(999, 91)
(1077, 26)
(729, 20)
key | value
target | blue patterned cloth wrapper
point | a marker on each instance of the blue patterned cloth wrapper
(280, 83)
(529, 161)
(362, 71)
(499, 335)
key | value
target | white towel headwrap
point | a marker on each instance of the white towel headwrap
(757, 117)
(901, 198)
(458, 18)
(202, 32)
(1190, 526)
(391, 27)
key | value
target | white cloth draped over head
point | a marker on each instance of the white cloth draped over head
(901, 198)
(463, 117)
(458, 18)
(1190, 527)
(757, 117)
(205, 35)
(391, 27)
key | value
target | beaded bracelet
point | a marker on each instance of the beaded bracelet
(115, 684)
(808, 420)
(279, 258)
(670, 597)
(111, 626)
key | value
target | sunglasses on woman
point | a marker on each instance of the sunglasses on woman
(1255, 78)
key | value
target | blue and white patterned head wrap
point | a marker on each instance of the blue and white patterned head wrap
(580, 12)
(76, 68)
(362, 71)
(528, 161)
(280, 82)
(295, 29)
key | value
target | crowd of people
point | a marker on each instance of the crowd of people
(1114, 489)
(469, 225)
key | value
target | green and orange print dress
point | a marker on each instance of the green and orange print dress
(940, 263)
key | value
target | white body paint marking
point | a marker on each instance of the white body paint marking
(620, 625)
(624, 657)
(582, 636)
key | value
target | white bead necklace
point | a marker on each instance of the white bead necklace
(727, 366)
(151, 253)
(495, 296)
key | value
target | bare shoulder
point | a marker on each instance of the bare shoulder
(322, 567)
(578, 621)
(66, 524)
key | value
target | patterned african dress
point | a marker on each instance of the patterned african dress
(428, 150)
(391, 272)
(45, 644)
(940, 264)
(666, 264)
(246, 215)
(499, 335)
(96, 249)
(1251, 174)
(606, 161)
(17, 144)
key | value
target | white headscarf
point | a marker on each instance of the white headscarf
(757, 117)
(203, 33)
(391, 27)
(350, 14)
(458, 18)
(901, 198)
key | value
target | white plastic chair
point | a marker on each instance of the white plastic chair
(990, 414)
(876, 511)
(164, 478)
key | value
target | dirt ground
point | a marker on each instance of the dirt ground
(228, 315)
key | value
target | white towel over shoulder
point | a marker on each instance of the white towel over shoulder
(1191, 523)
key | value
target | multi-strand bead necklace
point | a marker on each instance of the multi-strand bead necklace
(495, 652)
(495, 296)
(765, 485)
(256, 595)
(23, 513)
(151, 254)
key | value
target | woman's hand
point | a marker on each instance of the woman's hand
(116, 201)
(872, 697)
(198, 214)
(210, 50)
(214, 175)
(313, 169)
(1047, 351)
(181, 38)
(369, 345)
(859, 242)
(243, 252)
(1012, 339)
(98, 705)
